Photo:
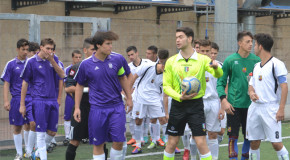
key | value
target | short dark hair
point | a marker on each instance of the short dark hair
(153, 48)
(75, 52)
(265, 40)
(33, 46)
(46, 41)
(130, 48)
(163, 54)
(22, 42)
(195, 42)
(100, 37)
(205, 42)
(88, 42)
(54, 46)
(215, 46)
(242, 34)
(187, 31)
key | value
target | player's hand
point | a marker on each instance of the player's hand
(184, 96)
(167, 116)
(129, 104)
(280, 115)
(7, 106)
(59, 101)
(49, 56)
(254, 96)
(77, 115)
(221, 114)
(22, 110)
(214, 64)
(227, 107)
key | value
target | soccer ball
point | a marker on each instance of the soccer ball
(190, 85)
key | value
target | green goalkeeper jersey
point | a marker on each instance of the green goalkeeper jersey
(236, 69)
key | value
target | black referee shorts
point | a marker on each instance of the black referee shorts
(191, 112)
(235, 121)
(80, 130)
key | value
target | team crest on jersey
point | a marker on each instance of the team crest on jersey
(17, 68)
(110, 65)
(244, 69)
(260, 78)
(152, 81)
(229, 129)
(203, 127)
(206, 79)
(72, 72)
(172, 128)
(186, 69)
(96, 68)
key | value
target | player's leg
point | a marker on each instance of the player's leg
(163, 123)
(193, 148)
(186, 142)
(139, 112)
(146, 126)
(246, 144)
(69, 104)
(233, 127)
(223, 128)
(32, 133)
(52, 125)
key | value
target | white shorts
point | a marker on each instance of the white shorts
(224, 121)
(211, 110)
(262, 123)
(153, 111)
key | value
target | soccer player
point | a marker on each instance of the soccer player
(196, 45)
(12, 83)
(211, 104)
(69, 101)
(135, 62)
(42, 72)
(213, 55)
(187, 108)
(268, 90)
(151, 53)
(33, 49)
(148, 99)
(104, 73)
(236, 68)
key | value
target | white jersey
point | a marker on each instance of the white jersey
(149, 87)
(265, 80)
(133, 69)
(211, 83)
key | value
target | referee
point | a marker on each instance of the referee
(187, 108)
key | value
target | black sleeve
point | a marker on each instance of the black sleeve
(70, 77)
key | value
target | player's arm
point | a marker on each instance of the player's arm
(78, 96)
(22, 108)
(165, 103)
(5, 95)
(212, 66)
(252, 93)
(60, 88)
(284, 94)
(126, 85)
(56, 67)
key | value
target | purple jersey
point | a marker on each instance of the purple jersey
(102, 79)
(42, 77)
(11, 74)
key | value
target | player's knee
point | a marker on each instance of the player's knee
(17, 129)
(212, 135)
(138, 121)
(154, 120)
(222, 132)
(51, 133)
(75, 142)
(277, 146)
(162, 120)
(32, 125)
(255, 145)
(117, 145)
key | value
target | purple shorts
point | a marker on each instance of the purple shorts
(15, 117)
(107, 124)
(28, 105)
(45, 112)
(69, 104)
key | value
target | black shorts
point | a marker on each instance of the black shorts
(191, 112)
(80, 130)
(235, 121)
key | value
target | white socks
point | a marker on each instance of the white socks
(124, 150)
(214, 148)
(66, 128)
(31, 141)
(283, 154)
(18, 143)
(138, 134)
(41, 145)
(116, 154)
(193, 149)
(99, 157)
(186, 140)
(254, 154)
(154, 128)
(169, 155)
(48, 139)
(25, 137)
(164, 126)
(132, 127)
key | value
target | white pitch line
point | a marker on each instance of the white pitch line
(158, 153)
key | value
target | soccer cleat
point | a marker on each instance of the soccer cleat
(26, 155)
(152, 145)
(131, 141)
(185, 154)
(53, 145)
(49, 149)
(136, 150)
(33, 156)
(146, 139)
(142, 144)
(66, 142)
(160, 142)
(18, 157)
(177, 151)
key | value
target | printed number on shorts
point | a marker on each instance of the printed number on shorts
(277, 134)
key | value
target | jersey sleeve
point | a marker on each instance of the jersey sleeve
(81, 75)
(125, 66)
(217, 73)
(121, 72)
(70, 76)
(168, 82)
(280, 69)
(222, 81)
(27, 71)
(6, 75)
